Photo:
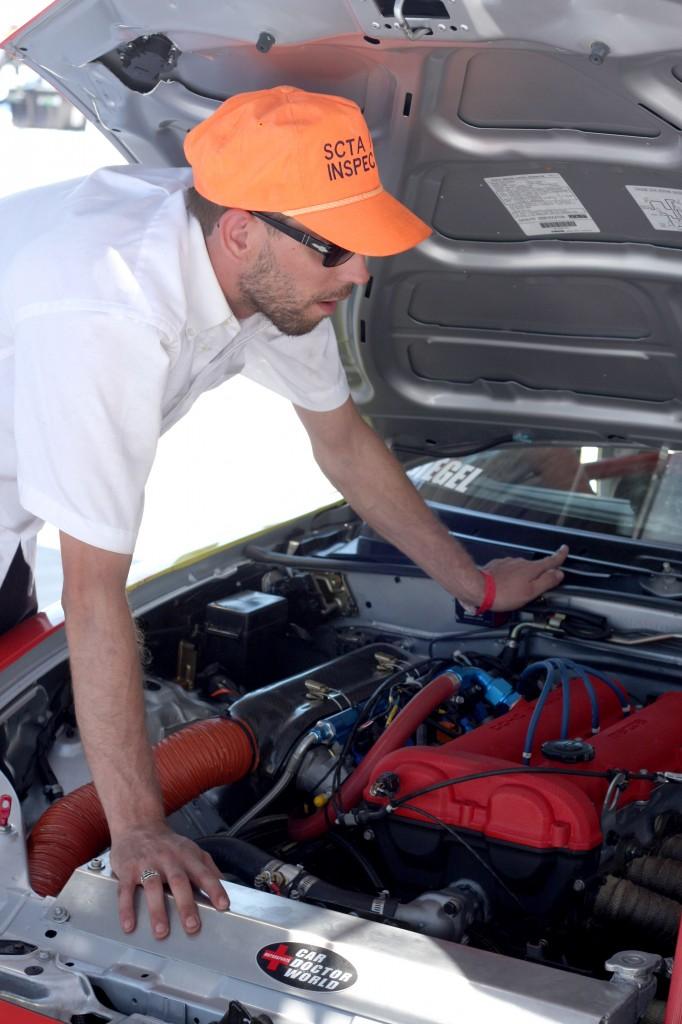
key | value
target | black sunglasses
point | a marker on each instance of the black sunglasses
(333, 255)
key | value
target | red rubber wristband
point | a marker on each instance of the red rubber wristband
(488, 594)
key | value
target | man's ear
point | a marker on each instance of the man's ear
(238, 233)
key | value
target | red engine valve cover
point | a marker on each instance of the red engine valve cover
(544, 812)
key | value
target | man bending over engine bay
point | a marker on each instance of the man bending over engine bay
(124, 296)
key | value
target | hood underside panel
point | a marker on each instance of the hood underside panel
(542, 142)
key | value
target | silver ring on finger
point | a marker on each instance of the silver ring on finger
(149, 873)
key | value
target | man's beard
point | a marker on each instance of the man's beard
(271, 291)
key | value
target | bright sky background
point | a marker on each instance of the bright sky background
(14, 13)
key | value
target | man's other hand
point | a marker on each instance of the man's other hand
(180, 865)
(518, 580)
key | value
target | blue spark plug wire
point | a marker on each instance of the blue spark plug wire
(616, 688)
(563, 670)
(550, 678)
(584, 675)
(565, 700)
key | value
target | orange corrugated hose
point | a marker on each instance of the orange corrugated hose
(74, 830)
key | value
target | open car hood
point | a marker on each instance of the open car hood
(540, 139)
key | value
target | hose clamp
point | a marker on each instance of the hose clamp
(378, 905)
(616, 787)
(304, 884)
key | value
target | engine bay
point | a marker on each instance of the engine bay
(352, 742)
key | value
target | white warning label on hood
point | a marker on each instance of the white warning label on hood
(661, 206)
(542, 204)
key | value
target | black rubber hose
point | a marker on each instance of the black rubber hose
(246, 861)
(662, 874)
(235, 856)
(344, 564)
(345, 899)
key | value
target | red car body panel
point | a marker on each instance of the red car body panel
(10, 1014)
(24, 637)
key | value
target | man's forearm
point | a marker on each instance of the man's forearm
(373, 482)
(107, 685)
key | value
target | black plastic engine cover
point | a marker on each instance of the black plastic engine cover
(539, 883)
(280, 714)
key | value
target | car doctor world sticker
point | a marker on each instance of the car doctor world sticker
(309, 967)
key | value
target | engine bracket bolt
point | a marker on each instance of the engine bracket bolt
(265, 42)
(60, 914)
(96, 864)
(599, 52)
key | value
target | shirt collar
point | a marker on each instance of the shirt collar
(207, 306)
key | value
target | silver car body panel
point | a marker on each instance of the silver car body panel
(80, 945)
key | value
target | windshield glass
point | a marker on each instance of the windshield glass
(629, 492)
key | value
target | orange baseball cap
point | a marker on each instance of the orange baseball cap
(307, 155)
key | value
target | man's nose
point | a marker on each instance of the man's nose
(355, 269)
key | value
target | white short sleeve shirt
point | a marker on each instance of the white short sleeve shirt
(112, 323)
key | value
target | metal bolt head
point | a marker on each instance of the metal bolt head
(375, 24)
(60, 914)
(599, 52)
(368, 834)
(96, 864)
(578, 885)
(265, 42)
(43, 954)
